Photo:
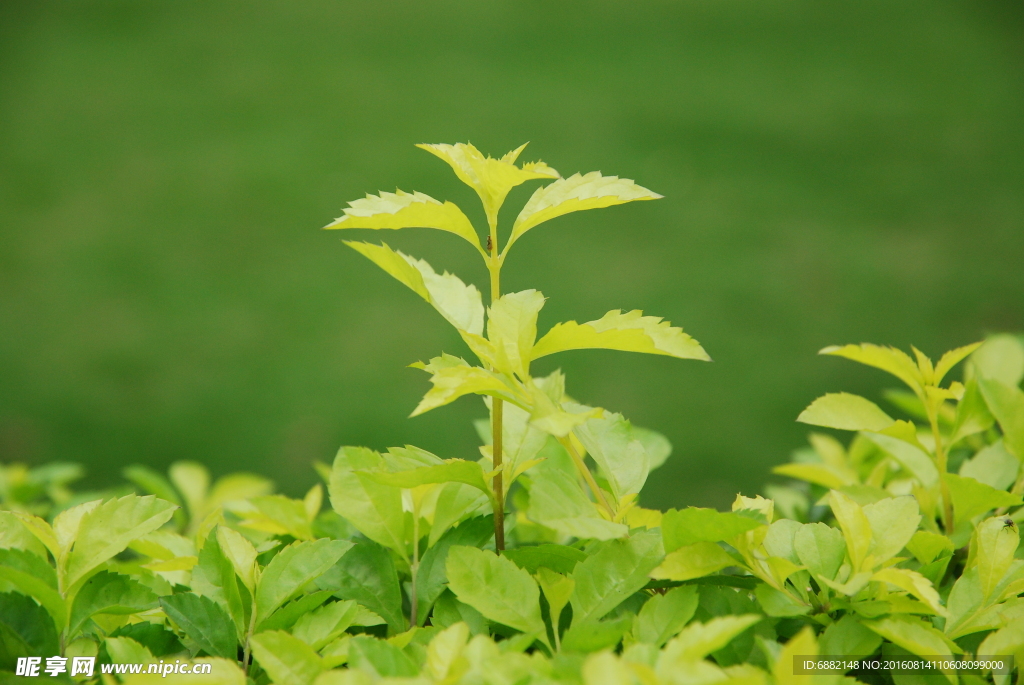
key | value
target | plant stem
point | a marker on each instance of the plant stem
(414, 567)
(494, 267)
(248, 636)
(587, 475)
(941, 464)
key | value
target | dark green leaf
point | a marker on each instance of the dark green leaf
(558, 558)
(367, 574)
(292, 569)
(285, 617)
(431, 579)
(204, 621)
(380, 658)
(109, 593)
(25, 630)
(592, 636)
(154, 637)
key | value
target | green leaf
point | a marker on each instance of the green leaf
(460, 304)
(1007, 640)
(995, 546)
(558, 558)
(1007, 405)
(574, 194)
(612, 445)
(14, 534)
(431, 579)
(379, 658)
(629, 332)
(449, 611)
(366, 573)
(778, 604)
(825, 475)
(663, 616)
(25, 630)
(592, 636)
(512, 329)
(214, 577)
(495, 587)
(557, 590)
(204, 622)
(951, 359)
(888, 359)
(1001, 357)
(240, 552)
(910, 457)
(285, 617)
(452, 382)
(694, 524)
(614, 572)
(449, 471)
(993, 466)
(893, 522)
(971, 498)
(657, 445)
(156, 638)
(845, 412)
(492, 179)
(855, 526)
(697, 640)
(109, 593)
(557, 502)
(32, 576)
(406, 210)
(444, 650)
(912, 635)
(286, 659)
(821, 548)
(323, 625)
(455, 502)
(108, 529)
(279, 515)
(847, 637)
(693, 561)
(914, 583)
(374, 509)
(124, 650)
(292, 569)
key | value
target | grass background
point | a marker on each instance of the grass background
(833, 172)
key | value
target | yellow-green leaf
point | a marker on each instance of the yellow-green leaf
(846, 412)
(629, 332)
(889, 359)
(512, 330)
(406, 210)
(972, 498)
(452, 382)
(914, 583)
(693, 561)
(951, 359)
(573, 194)
(855, 525)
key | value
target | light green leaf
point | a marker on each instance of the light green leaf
(855, 525)
(492, 179)
(951, 359)
(204, 621)
(449, 471)
(591, 636)
(286, 617)
(495, 587)
(995, 544)
(557, 502)
(14, 534)
(1001, 357)
(279, 515)
(124, 650)
(460, 304)
(30, 585)
(971, 498)
(1007, 405)
(893, 521)
(629, 332)
(444, 649)
(826, 475)
(621, 456)
(292, 569)
(914, 583)
(512, 329)
(911, 457)
(889, 359)
(108, 529)
(657, 445)
(1005, 641)
(452, 382)
(693, 524)
(912, 635)
(323, 625)
(697, 640)
(379, 658)
(614, 572)
(574, 194)
(821, 548)
(663, 616)
(366, 573)
(845, 412)
(455, 502)
(561, 559)
(556, 417)
(406, 210)
(193, 482)
(240, 552)
(777, 603)
(374, 509)
(222, 672)
(431, 579)
(926, 547)
(847, 637)
(286, 659)
(993, 466)
(109, 593)
(557, 589)
(693, 561)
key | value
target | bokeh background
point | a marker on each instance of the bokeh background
(833, 172)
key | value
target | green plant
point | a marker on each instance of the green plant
(903, 543)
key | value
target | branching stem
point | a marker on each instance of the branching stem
(494, 267)
(587, 475)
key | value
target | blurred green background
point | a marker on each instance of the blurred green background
(833, 172)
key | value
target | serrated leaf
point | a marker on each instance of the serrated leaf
(693, 561)
(574, 194)
(663, 616)
(614, 572)
(124, 650)
(366, 573)
(914, 583)
(449, 471)
(777, 603)
(460, 304)
(15, 534)
(845, 412)
(108, 529)
(240, 553)
(323, 625)
(374, 509)
(971, 498)
(492, 179)
(431, 579)
(379, 658)
(452, 382)
(557, 589)
(561, 559)
(694, 524)
(109, 593)
(292, 569)
(286, 659)
(444, 649)
(204, 622)
(557, 502)
(951, 359)
(889, 359)
(697, 640)
(495, 587)
(629, 332)
(406, 210)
